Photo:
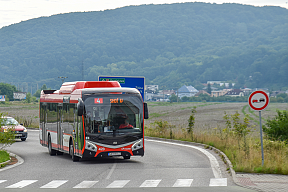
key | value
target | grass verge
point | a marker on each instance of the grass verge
(245, 157)
(4, 156)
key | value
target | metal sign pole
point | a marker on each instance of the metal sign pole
(261, 139)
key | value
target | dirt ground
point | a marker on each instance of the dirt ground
(208, 115)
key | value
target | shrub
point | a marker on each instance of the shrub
(277, 128)
(7, 136)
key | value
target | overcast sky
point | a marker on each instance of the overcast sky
(15, 11)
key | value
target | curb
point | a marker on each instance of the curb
(19, 162)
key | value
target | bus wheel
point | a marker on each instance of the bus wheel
(74, 158)
(51, 151)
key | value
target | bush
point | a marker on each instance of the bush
(7, 136)
(277, 128)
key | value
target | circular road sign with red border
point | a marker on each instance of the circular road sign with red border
(258, 100)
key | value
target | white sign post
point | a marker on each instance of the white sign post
(259, 100)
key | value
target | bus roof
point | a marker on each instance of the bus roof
(73, 89)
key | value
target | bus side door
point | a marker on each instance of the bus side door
(59, 126)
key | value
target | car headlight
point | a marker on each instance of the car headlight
(90, 146)
(25, 130)
(137, 145)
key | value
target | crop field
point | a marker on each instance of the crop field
(25, 113)
(209, 115)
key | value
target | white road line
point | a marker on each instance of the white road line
(150, 183)
(54, 184)
(218, 182)
(2, 181)
(183, 183)
(118, 184)
(86, 184)
(213, 161)
(111, 171)
(22, 184)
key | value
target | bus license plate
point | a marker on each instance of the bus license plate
(114, 154)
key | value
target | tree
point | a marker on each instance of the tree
(8, 90)
(173, 98)
(209, 88)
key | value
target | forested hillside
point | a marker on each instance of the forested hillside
(170, 45)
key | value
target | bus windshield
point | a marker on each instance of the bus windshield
(113, 114)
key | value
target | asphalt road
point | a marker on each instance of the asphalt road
(164, 167)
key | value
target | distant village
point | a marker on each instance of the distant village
(152, 92)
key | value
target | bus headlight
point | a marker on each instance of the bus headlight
(137, 145)
(90, 146)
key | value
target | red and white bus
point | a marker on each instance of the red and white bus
(93, 119)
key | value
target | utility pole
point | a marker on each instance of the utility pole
(82, 71)
(63, 79)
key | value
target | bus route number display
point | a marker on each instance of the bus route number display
(100, 100)
(117, 100)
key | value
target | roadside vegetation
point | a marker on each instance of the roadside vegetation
(237, 136)
(7, 138)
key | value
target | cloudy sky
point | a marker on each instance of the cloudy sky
(15, 11)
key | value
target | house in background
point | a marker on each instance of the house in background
(151, 87)
(235, 93)
(202, 92)
(220, 92)
(188, 91)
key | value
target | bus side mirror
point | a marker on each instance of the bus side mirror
(146, 115)
(80, 107)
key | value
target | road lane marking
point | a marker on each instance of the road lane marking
(22, 184)
(86, 184)
(54, 184)
(150, 183)
(2, 181)
(183, 183)
(213, 161)
(118, 184)
(218, 182)
(111, 171)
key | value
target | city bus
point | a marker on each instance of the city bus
(92, 119)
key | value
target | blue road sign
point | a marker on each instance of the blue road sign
(126, 81)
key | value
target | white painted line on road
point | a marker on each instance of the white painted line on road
(150, 183)
(218, 182)
(111, 171)
(54, 184)
(213, 161)
(183, 183)
(22, 184)
(2, 181)
(118, 184)
(86, 184)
